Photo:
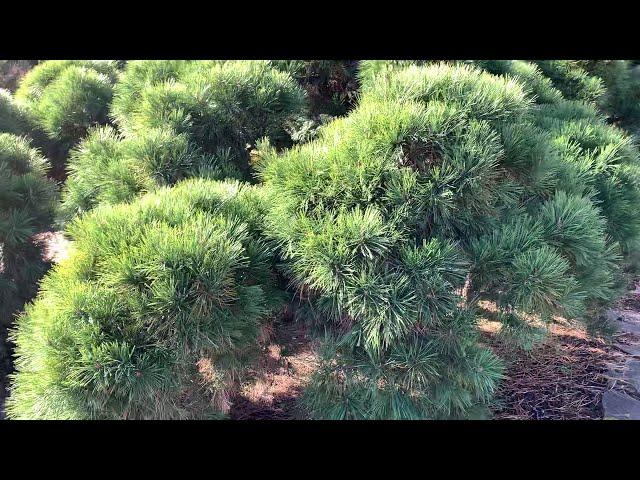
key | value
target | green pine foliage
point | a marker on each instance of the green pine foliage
(529, 75)
(621, 101)
(573, 80)
(391, 216)
(370, 71)
(369, 219)
(26, 208)
(444, 176)
(223, 106)
(484, 96)
(13, 116)
(155, 312)
(109, 168)
(606, 161)
(66, 98)
(228, 106)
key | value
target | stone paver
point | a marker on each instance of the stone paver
(632, 374)
(620, 406)
(633, 350)
(617, 404)
(627, 321)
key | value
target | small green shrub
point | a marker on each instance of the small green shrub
(442, 178)
(138, 75)
(370, 70)
(608, 163)
(26, 207)
(482, 95)
(67, 97)
(109, 168)
(13, 117)
(34, 84)
(154, 314)
(223, 106)
(528, 74)
(362, 220)
(16, 119)
(621, 101)
(573, 80)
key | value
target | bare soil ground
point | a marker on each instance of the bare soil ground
(563, 378)
(566, 376)
(54, 246)
(11, 71)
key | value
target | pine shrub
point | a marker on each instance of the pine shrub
(155, 312)
(573, 80)
(67, 97)
(443, 180)
(223, 106)
(370, 71)
(368, 218)
(109, 168)
(529, 75)
(621, 101)
(13, 117)
(606, 161)
(26, 208)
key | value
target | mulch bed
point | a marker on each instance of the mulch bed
(273, 389)
(563, 379)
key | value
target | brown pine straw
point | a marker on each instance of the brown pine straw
(562, 379)
(276, 384)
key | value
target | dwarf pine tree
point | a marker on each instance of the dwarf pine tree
(26, 208)
(367, 218)
(107, 167)
(229, 105)
(13, 116)
(613, 86)
(621, 100)
(223, 107)
(65, 98)
(442, 177)
(528, 74)
(589, 156)
(154, 313)
(605, 164)
(575, 83)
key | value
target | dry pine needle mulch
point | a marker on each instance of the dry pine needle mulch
(562, 379)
